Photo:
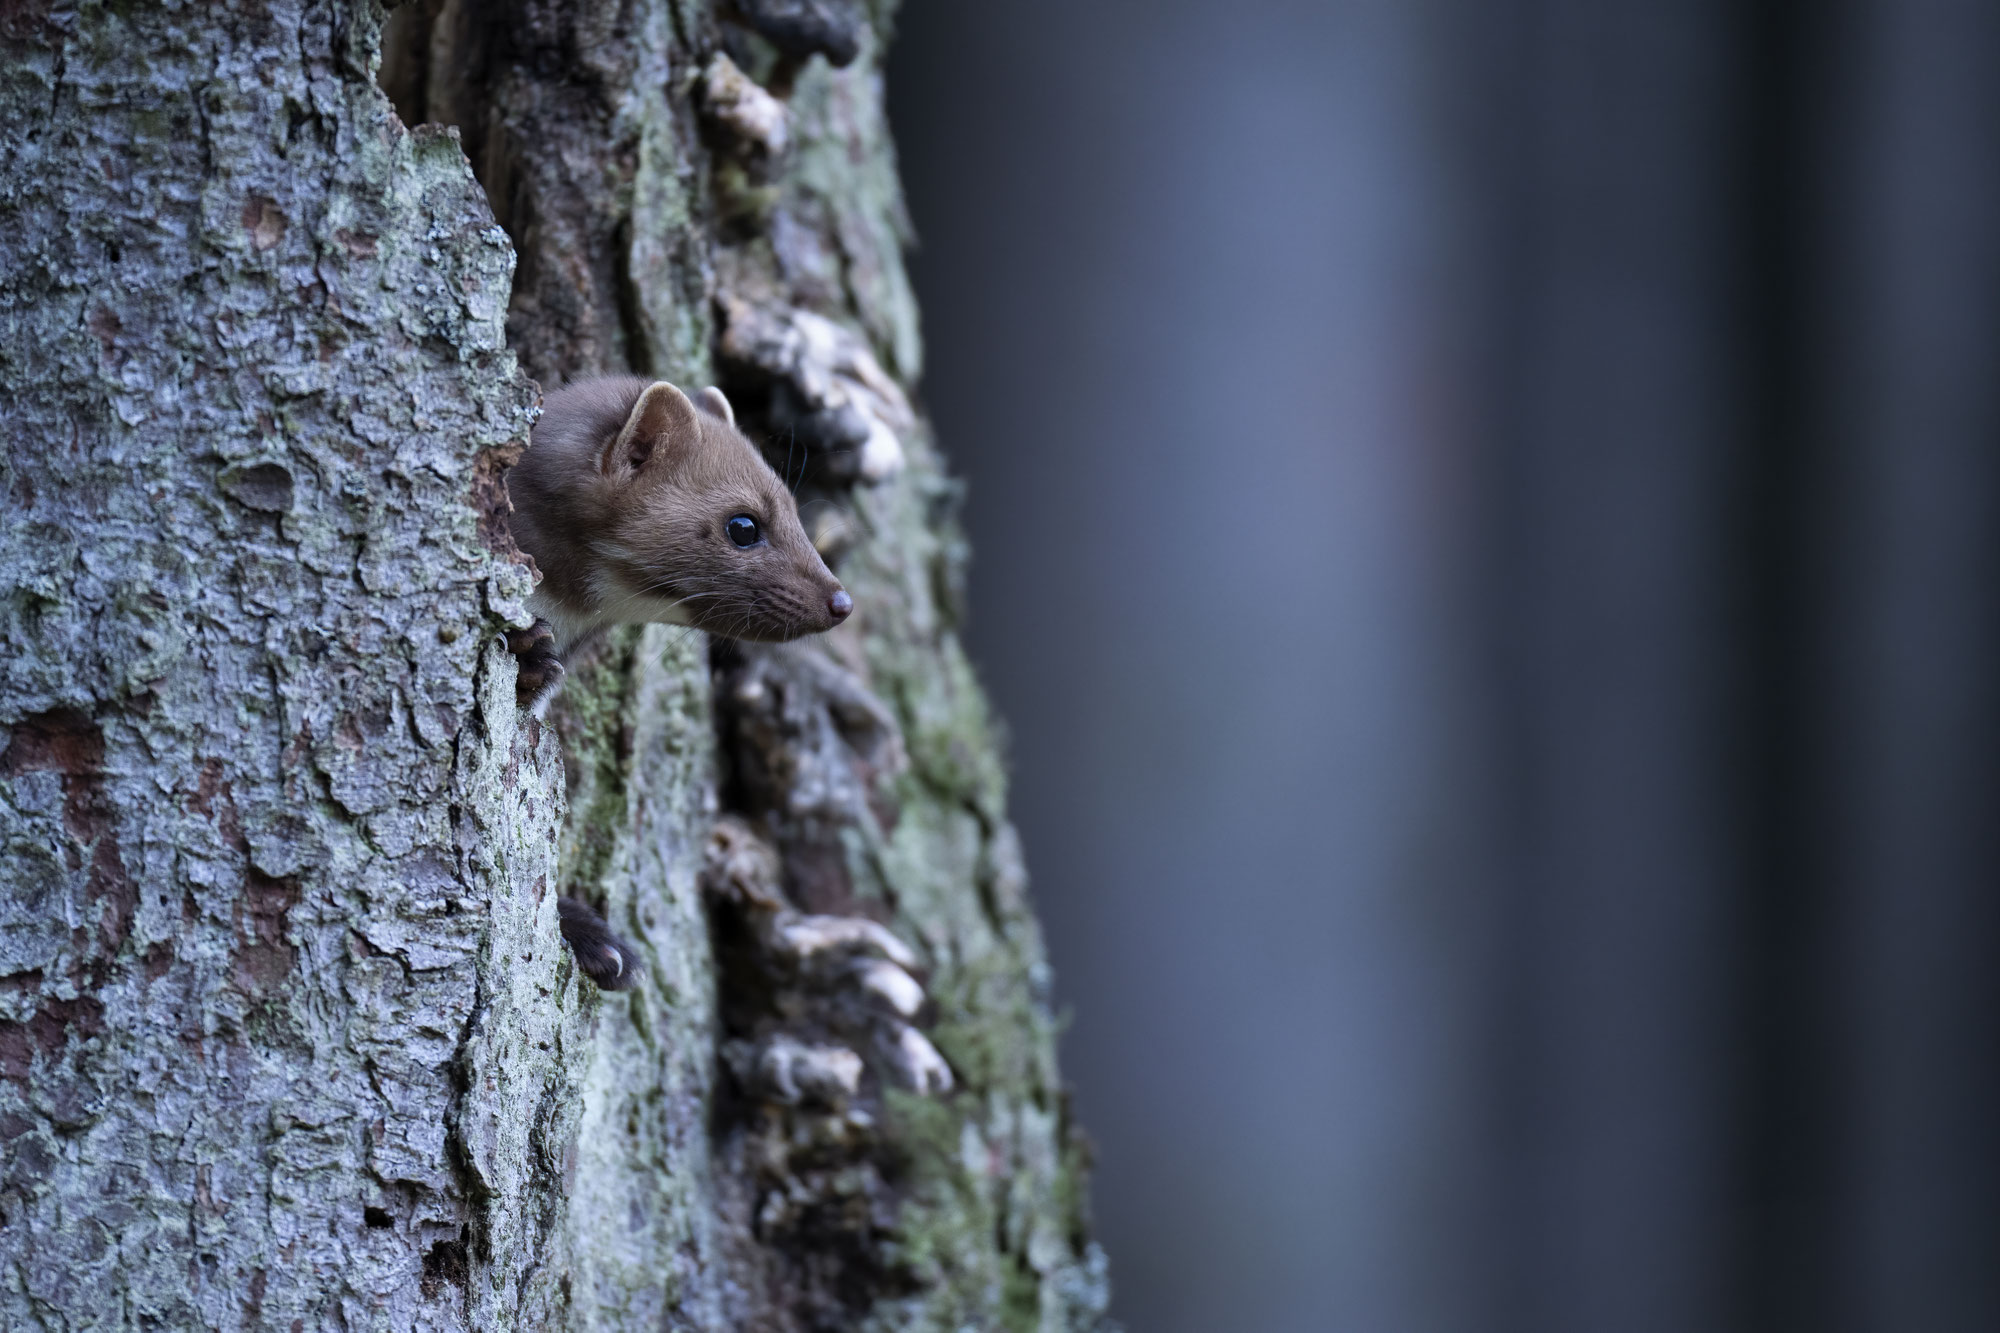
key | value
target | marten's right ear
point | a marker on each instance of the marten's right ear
(661, 422)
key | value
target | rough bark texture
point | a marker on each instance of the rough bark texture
(287, 1036)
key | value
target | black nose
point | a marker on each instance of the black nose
(839, 604)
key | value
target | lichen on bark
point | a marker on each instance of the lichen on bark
(271, 824)
(287, 1036)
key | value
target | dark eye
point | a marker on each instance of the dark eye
(743, 530)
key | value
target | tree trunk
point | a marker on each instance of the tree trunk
(288, 1038)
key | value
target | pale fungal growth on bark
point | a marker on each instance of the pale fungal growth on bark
(850, 401)
(735, 102)
(918, 1064)
(802, 938)
(828, 952)
(791, 1071)
(896, 988)
(833, 533)
(739, 866)
(845, 972)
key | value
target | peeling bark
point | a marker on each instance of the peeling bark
(287, 1035)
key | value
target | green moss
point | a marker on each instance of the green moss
(592, 714)
(990, 1027)
(953, 1232)
(950, 733)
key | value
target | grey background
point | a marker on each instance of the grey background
(1485, 520)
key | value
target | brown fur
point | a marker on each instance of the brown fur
(623, 498)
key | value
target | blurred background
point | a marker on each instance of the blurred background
(1487, 516)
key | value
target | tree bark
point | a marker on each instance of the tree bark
(288, 1038)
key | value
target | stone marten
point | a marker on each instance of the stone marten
(642, 506)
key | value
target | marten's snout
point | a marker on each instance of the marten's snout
(839, 605)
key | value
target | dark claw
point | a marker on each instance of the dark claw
(605, 959)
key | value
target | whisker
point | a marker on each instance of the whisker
(674, 643)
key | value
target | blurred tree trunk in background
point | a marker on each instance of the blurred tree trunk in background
(287, 1036)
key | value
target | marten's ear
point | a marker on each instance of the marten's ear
(711, 401)
(662, 422)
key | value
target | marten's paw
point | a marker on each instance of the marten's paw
(541, 671)
(604, 957)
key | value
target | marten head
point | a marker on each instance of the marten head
(681, 517)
